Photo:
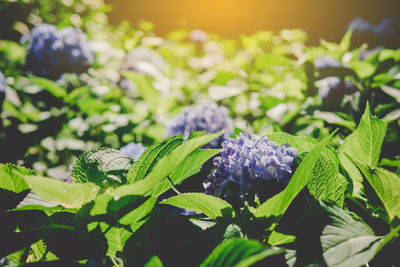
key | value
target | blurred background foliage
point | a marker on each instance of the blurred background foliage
(268, 79)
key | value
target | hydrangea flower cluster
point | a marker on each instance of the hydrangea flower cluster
(133, 150)
(52, 53)
(207, 117)
(3, 85)
(244, 163)
(334, 87)
(383, 34)
(325, 62)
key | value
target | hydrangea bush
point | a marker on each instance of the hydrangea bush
(52, 52)
(251, 200)
(245, 162)
(207, 117)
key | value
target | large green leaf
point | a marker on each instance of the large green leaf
(239, 252)
(117, 219)
(13, 188)
(211, 206)
(102, 166)
(150, 156)
(386, 185)
(326, 182)
(165, 167)
(190, 166)
(363, 145)
(346, 241)
(12, 177)
(67, 195)
(48, 85)
(276, 206)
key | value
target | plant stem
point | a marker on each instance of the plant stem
(113, 261)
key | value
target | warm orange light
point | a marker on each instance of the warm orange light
(234, 17)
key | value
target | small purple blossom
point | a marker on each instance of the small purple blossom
(207, 117)
(360, 25)
(133, 150)
(52, 53)
(326, 61)
(245, 162)
(3, 83)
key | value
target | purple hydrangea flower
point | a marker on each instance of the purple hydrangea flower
(133, 150)
(3, 84)
(360, 25)
(385, 27)
(245, 162)
(207, 117)
(326, 61)
(52, 53)
(334, 87)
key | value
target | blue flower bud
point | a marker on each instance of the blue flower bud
(326, 61)
(245, 162)
(207, 117)
(3, 84)
(52, 53)
(133, 150)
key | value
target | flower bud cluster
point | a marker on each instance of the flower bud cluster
(52, 53)
(207, 117)
(245, 162)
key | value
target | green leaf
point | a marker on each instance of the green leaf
(302, 143)
(67, 195)
(239, 252)
(190, 166)
(118, 219)
(211, 206)
(386, 185)
(12, 177)
(326, 182)
(346, 41)
(363, 69)
(154, 262)
(147, 91)
(346, 241)
(165, 167)
(13, 188)
(102, 166)
(363, 145)
(116, 238)
(138, 213)
(276, 206)
(277, 238)
(49, 85)
(150, 157)
(333, 118)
